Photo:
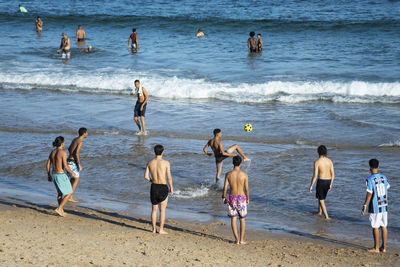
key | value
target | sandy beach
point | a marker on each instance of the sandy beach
(32, 235)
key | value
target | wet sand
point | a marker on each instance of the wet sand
(33, 235)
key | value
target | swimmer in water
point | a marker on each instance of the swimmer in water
(135, 44)
(259, 43)
(252, 43)
(65, 46)
(200, 33)
(87, 50)
(39, 25)
(80, 34)
(219, 153)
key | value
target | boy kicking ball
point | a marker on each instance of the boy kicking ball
(377, 198)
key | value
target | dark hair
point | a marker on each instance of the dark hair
(38, 17)
(137, 81)
(259, 34)
(134, 29)
(322, 150)
(82, 131)
(216, 131)
(58, 141)
(158, 149)
(252, 34)
(237, 160)
(374, 163)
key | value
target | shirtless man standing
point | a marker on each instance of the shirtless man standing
(219, 152)
(39, 25)
(74, 159)
(65, 47)
(140, 106)
(252, 43)
(238, 199)
(80, 34)
(158, 168)
(135, 44)
(323, 170)
(58, 160)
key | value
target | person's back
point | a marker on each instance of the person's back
(236, 180)
(216, 146)
(56, 158)
(324, 165)
(80, 34)
(158, 168)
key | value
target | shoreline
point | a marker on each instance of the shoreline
(34, 235)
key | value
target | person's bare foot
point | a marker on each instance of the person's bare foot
(243, 242)
(73, 200)
(162, 232)
(237, 242)
(154, 231)
(374, 250)
(59, 212)
(328, 218)
(382, 249)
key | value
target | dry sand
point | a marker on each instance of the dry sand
(32, 235)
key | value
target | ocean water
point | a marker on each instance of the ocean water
(328, 74)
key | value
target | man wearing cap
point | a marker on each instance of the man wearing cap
(65, 46)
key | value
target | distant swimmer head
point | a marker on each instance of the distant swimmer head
(64, 34)
(373, 164)
(82, 131)
(137, 83)
(259, 35)
(199, 30)
(38, 17)
(158, 150)
(237, 161)
(134, 30)
(59, 141)
(79, 27)
(217, 131)
(322, 150)
(252, 34)
(90, 48)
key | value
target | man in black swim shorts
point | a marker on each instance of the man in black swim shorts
(323, 170)
(158, 168)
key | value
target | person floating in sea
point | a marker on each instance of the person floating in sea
(87, 50)
(200, 33)
(58, 161)
(323, 170)
(22, 9)
(80, 34)
(39, 25)
(135, 44)
(259, 43)
(140, 107)
(158, 168)
(238, 198)
(74, 159)
(252, 43)
(219, 152)
(377, 201)
(65, 46)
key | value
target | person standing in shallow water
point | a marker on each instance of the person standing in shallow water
(158, 168)
(252, 43)
(58, 161)
(140, 107)
(323, 170)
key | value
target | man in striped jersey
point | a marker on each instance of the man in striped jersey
(377, 201)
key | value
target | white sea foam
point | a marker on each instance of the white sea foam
(180, 88)
(391, 144)
(192, 192)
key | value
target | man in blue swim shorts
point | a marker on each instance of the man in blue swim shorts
(58, 161)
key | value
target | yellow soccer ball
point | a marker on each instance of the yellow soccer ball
(248, 127)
